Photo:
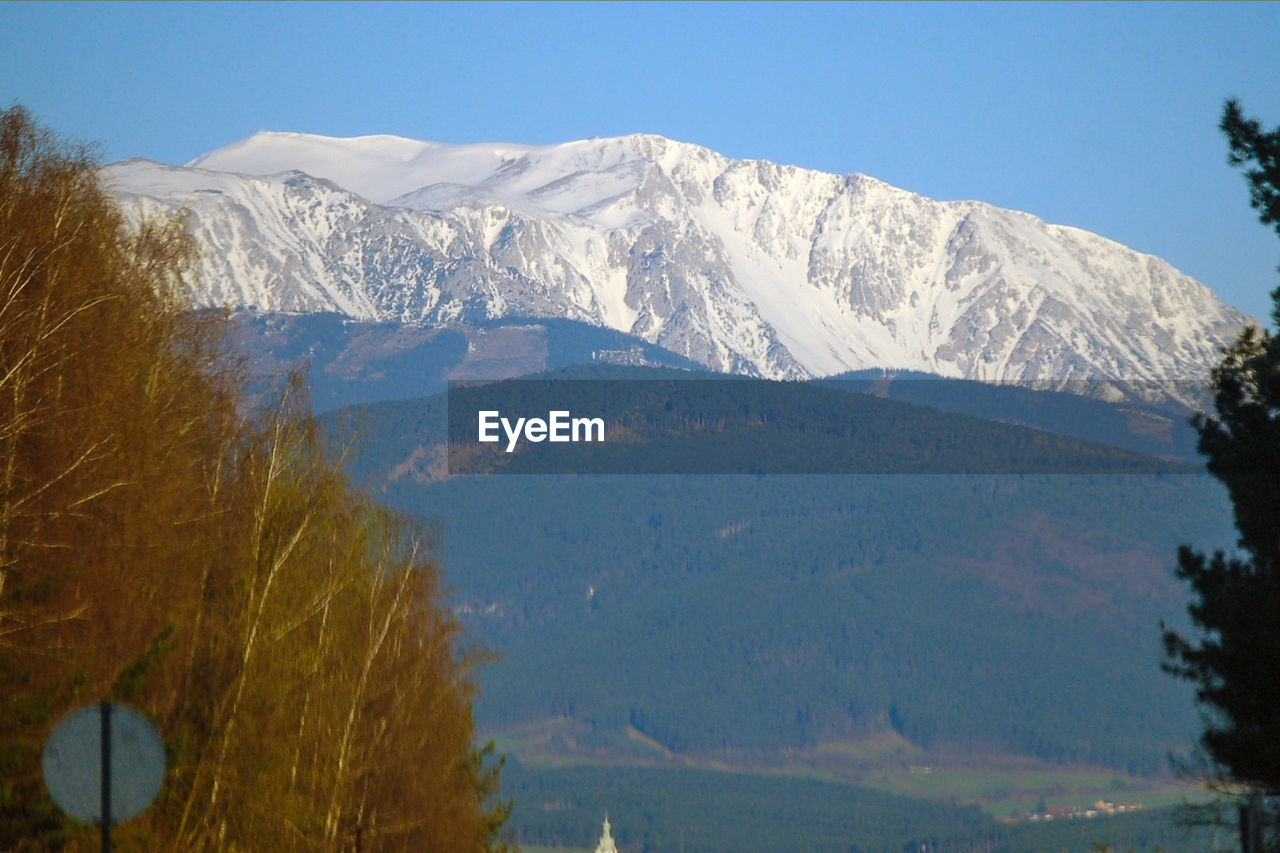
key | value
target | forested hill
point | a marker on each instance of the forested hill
(1135, 415)
(1009, 613)
(661, 421)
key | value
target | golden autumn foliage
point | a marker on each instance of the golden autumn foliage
(162, 547)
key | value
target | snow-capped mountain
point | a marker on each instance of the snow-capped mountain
(742, 265)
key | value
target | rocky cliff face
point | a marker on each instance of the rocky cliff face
(744, 266)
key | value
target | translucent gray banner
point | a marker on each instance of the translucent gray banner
(690, 425)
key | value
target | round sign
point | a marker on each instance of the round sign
(72, 762)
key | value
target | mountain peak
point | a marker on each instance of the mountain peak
(742, 265)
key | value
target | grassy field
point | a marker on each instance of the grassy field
(1002, 786)
(724, 812)
(1005, 793)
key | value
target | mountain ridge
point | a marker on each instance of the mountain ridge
(744, 266)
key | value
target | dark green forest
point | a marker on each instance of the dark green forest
(986, 613)
(728, 612)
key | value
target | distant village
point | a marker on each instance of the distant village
(1101, 808)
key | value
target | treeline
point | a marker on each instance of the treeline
(164, 546)
(704, 811)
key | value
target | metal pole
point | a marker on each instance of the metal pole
(1251, 826)
(104, 712)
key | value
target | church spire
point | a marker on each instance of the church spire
(606, 844)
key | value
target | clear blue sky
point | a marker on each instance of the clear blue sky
(1099, 116)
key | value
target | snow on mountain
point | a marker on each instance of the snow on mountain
(742, 265)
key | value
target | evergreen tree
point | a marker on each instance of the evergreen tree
(1235, 659)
